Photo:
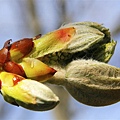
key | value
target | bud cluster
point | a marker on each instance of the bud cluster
(74, 56)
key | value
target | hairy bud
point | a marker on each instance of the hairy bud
(93, 83)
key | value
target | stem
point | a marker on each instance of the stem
(59, 77)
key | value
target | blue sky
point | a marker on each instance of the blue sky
(12, 25)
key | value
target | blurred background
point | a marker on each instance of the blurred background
(27, 18)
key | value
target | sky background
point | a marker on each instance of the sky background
(16, 23)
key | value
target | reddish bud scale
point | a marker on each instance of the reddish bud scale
(13, 67)
(4, 55)
(24, 46)
(17, 79)
(53, 71)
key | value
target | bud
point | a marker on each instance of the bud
(93, 83)
(27, 93)
(74, 41)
